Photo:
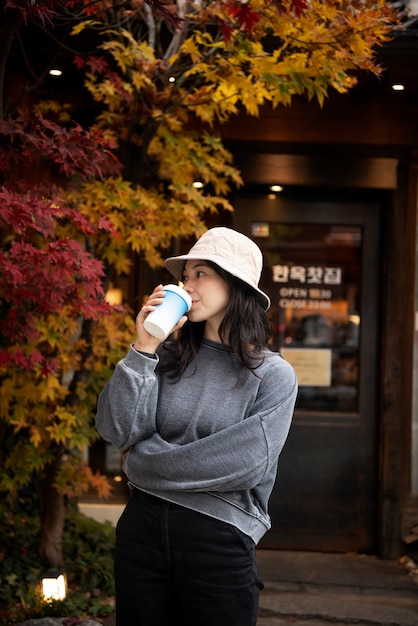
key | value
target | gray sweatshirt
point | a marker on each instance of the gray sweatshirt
(210, 441)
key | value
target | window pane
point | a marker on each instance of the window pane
(314, 282)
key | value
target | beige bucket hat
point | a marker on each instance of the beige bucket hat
(230, 250)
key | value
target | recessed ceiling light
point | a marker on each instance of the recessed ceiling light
(398, 87)
(276, 188)
(55, 72)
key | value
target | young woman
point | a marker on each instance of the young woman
(202, 419)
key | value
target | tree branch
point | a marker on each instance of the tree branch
(179, 35)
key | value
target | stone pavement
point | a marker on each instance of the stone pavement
(317, 589)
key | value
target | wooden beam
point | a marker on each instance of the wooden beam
(288, 169)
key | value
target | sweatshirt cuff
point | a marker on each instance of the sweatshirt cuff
(149, 355)
(139, 362)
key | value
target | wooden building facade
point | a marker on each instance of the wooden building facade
(340, 244)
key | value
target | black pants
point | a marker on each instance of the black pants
(174, 566)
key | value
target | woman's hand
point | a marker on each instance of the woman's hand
(144, 341)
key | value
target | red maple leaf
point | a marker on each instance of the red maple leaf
(74, 150)
(79, 62)
(226, 31)
(246, 17)
(296, 6)
(11, 273)
(97, 65)
(49, 366)
(5, 358)
(105, 224)
(44, 11)
(35, 358)
(167, 10)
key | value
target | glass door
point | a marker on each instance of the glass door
(315, 288)
(321, 272)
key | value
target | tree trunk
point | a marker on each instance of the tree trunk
(52, 512)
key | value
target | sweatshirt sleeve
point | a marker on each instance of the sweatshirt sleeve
(234, 458)
(126, 409)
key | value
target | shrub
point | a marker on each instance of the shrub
(88, 552)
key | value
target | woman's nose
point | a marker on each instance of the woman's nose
(188, 286)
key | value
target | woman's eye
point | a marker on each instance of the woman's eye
(196, 274)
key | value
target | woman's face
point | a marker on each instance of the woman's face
(209, 293)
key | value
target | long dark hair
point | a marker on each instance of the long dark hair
(245, 329)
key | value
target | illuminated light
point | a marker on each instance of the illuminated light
(398, 87)
(113, 296)
(54, 584)
(172, 79)
(198, 184)
(117, 479)
(276, 188)
(55, 72)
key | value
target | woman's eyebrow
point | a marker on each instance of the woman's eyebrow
(198, 264)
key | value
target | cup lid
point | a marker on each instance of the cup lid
(180, 292)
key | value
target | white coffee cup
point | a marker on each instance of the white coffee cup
(160, 322)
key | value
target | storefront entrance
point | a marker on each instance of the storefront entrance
(322, 273)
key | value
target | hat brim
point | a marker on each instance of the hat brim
(175, 266)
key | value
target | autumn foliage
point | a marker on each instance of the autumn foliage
(77, 202)
(48, 284)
